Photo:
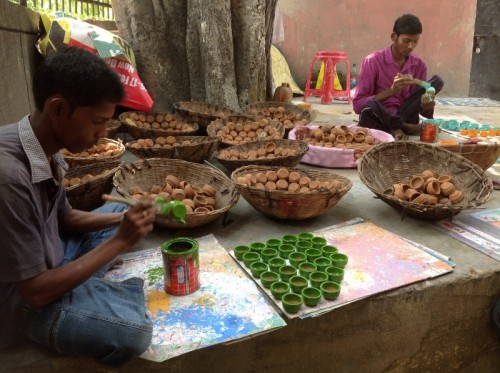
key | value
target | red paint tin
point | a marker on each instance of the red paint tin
(181, 266)
(429, 131)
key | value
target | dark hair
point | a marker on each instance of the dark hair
(407, 24)
(81, 77)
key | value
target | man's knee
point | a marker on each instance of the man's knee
(437, 82)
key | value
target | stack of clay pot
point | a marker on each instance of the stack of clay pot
(427, 188)
(342, 137)
(268, 150)
(158, 121)
(245, 130)
(285, 180)
(103, 150)
(289, 119)
(198, 200)
(71, 182)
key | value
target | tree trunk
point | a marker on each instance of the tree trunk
(214, 51)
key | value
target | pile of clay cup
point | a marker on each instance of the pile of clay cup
(427, 188)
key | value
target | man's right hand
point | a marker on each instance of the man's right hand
(401, 81)
(137, 222)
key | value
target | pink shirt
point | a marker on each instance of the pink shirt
(377, 74)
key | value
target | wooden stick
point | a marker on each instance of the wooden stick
(127, 201)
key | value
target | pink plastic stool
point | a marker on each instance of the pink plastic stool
(330, 59)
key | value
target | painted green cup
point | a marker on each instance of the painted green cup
(335, 274)
(273, 243)
(312, 254)
(306, 268)
(257, 247)
(305, 236)
(302, 246)
(311, 296)
(240, 250)
(292, 302)
(328, 250)
(322, 263)
(297, 283)
(285, 250)
(330, 290)
(296, 258)
(267, 254)
(317, 278)
(268, 277)
(257, 268)
(276, 263)
(339, 260)
(250, 257)
(279, 288)
(286, 272)
(289, 238)
(318, 242)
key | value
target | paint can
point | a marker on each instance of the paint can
(181, 266)
(429, 131)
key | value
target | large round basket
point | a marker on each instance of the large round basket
(105, 151)
(113, 127)
(148, 172)
(282, 152)
(203, 113)
(87, 195)
(484, 155)
(390, 163)
(188, 148)
(241, 130)
(143, 125)
(289, 114)
(291, 205)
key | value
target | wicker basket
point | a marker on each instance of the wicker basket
(390, 163)
(203, 113)
(299, 148)
(87, 196)
(220, 124)
(78, 160)
(290, 115)
(190, 128)
(113, 127)
(484, 155)
(291, 205)
(148, 172)
(198, 149)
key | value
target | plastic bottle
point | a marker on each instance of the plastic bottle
(354, 76)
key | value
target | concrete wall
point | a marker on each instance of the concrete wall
(18, 29)
(360, 27)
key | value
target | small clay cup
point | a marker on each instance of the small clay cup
(317, 278)
(329, 249)
(302, 246)
(257, 268)
(297, 283)
(339, 260)
(330, 290)
(296, 258)
(417, 182)
(335, 274)
(306, 268)
(311, 296)
(292, 302)
(279, 288)
(305, 236)
(447, 188)
(285, 250)
(433, 187)
(276, 263)
(267, 278)
(250, 257)
(312, 254)
(322, 263)
(273, 243)
(286, 272)
(240, 250)
(289, 238)
(267, 254)
(257, 247)
(318, 242)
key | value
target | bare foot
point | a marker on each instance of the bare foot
(411, 129)
(398, 134)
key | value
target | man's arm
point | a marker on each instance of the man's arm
(77, 221)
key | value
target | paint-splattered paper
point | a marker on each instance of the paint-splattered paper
(378, 261)
(228, 306)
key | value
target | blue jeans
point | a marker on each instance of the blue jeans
(103, 319)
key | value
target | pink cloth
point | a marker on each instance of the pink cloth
(377, 74)
(336, 157)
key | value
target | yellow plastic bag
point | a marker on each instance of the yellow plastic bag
(336, 82)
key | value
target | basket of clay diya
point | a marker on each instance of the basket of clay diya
(105, 151)
(113, 127)
(241, 130)
(283, 152)
(85, 184)
(290, 193)
(289, 114)
(142, 125)
(484, 154)
(422, 180)
(188, 148)
(203, 113)
(337, 146)
(206, 191)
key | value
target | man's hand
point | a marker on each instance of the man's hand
(401, 81)
(137, 222)
(428, 102)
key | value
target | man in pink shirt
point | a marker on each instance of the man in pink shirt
(387, 97)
